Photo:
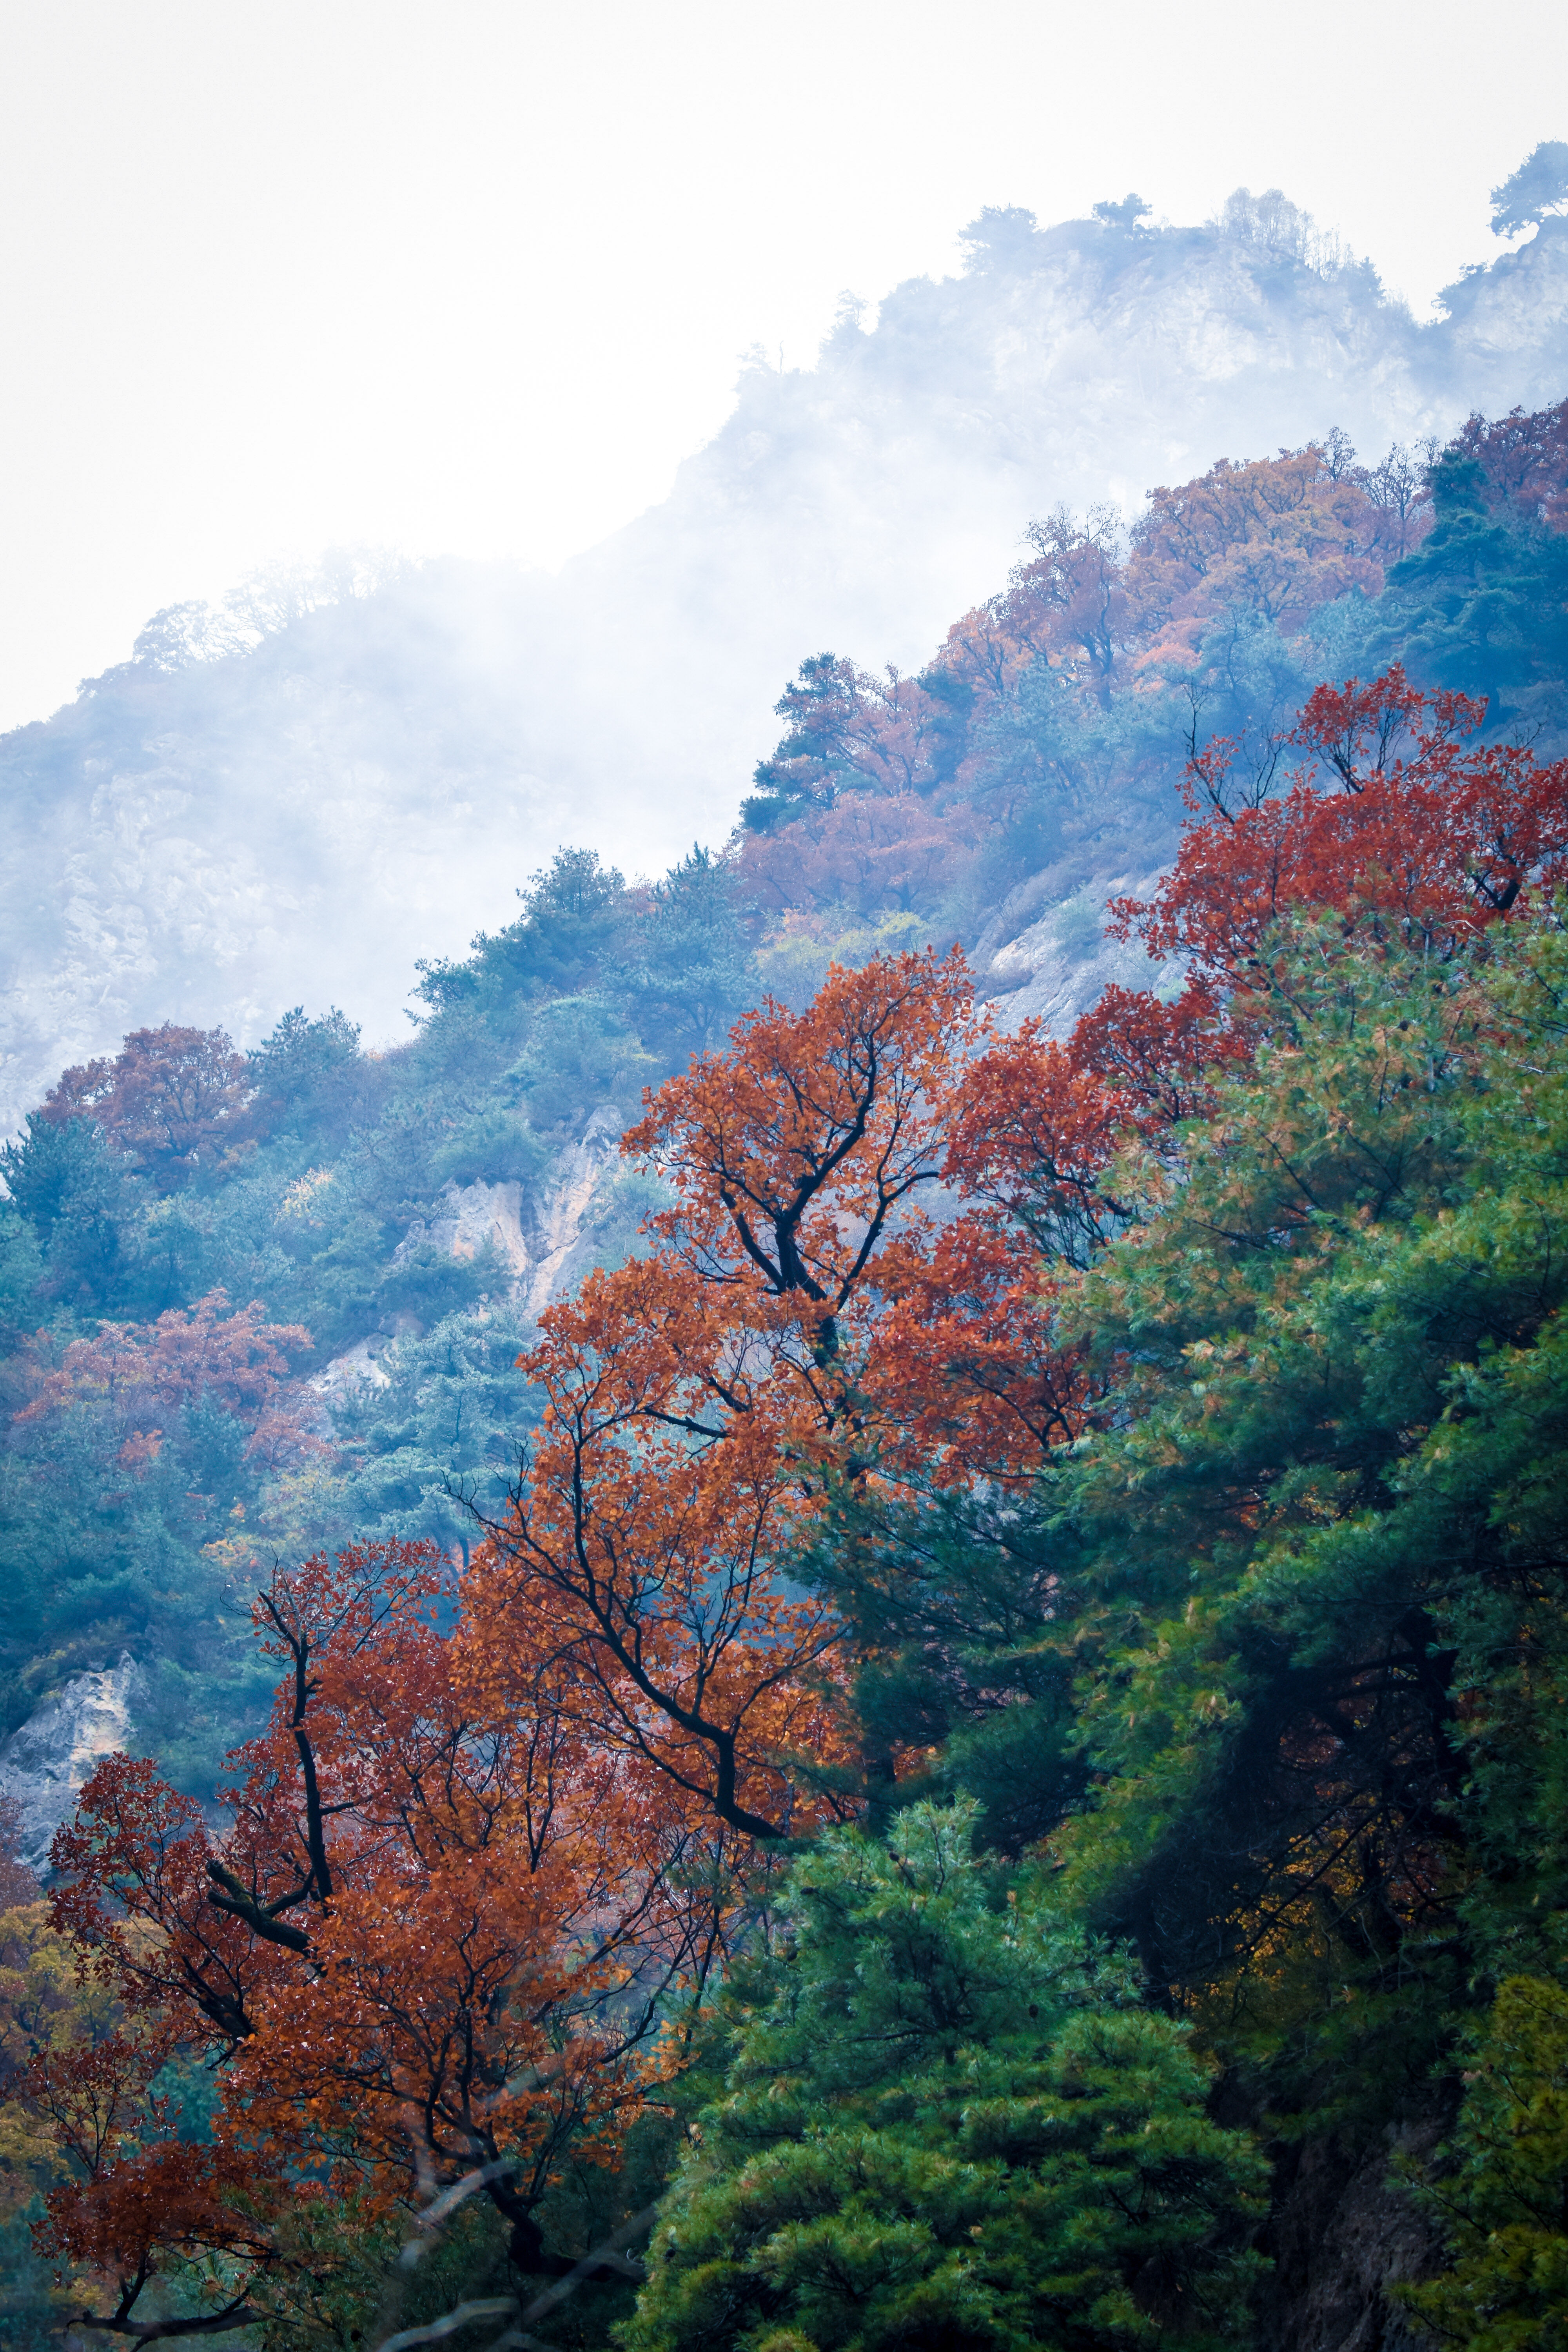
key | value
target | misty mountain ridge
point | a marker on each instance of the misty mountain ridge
(295, 797)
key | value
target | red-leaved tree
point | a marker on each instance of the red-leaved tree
(175, 1098)
(437, 1940)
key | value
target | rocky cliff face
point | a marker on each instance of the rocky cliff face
(536, 1236)
(1046, 955)
(477, 1216)
(1344, 2233)
(46, 1762)
(541, 1236)
(565, 1210)
(210, 835)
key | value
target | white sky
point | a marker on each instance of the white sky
(474, 277)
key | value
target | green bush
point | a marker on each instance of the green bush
(1502, 2192)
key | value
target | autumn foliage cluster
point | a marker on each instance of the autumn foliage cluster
(1104, 647)
(137, 1379)
(173, 1098)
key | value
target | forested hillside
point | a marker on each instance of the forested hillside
(904, 1496)
(258, 803)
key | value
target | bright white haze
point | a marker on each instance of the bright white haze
(473, 279)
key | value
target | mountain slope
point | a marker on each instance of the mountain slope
(363, 778)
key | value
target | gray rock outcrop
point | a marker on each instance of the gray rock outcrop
(535, 1234)
(474, 1217)
(46, 1763)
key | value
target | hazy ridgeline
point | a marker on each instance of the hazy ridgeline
(291, 799)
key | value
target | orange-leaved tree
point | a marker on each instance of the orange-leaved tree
(1066, 601)
(1276, 535)
(1421, 831)
(869, 853)
(886, 793)
(704, 1399)
(135, 1379)
(435, 1943)
(1397, 824)
(174, 1098)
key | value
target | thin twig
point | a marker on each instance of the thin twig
(610, 2252)
(431, 2216)
(487, 2307)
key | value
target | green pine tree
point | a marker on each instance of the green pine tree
(950, 2122)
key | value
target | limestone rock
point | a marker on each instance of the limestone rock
(355, 1368)
(1056, 967)
(476, 1214)
(46, 1763)
(536, 1236)
(564, 1208)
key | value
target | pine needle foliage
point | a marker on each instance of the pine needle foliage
(949, 2123)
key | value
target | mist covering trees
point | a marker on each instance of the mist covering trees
(1539, 188)
(335, 771)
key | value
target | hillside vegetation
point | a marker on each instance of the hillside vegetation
(924, 1708)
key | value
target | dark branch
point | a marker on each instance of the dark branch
(228, 1894)
(152, 2331)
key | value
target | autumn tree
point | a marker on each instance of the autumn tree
(1419, 834)
(139, 1382)
(1400, 483)
(1077, 578)
(849, 790)
(1276, 536)
(135, 1453)
(865, 854)
(1523, 459)
(66, 2047)
(701, 1398)
(1111, 1417)
(1105, 649)
(434, 1943)
(1384, 812)
(173, 1099)
(492, 1852)
(1067, 600)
